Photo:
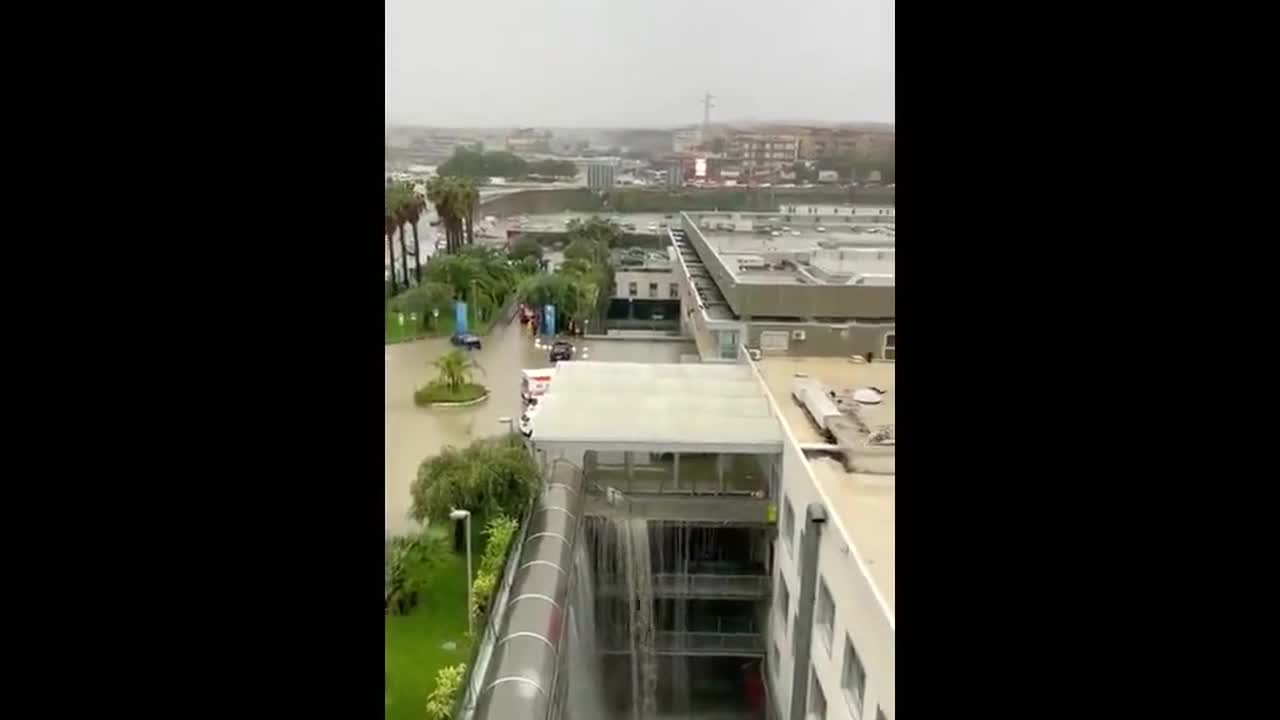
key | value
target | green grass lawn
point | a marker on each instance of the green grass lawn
(413, 642)
(436, 393)
(395, 332)
(440, 327)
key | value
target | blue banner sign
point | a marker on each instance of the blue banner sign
(549, 320)
(459, 317)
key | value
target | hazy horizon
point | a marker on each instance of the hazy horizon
(588, 64)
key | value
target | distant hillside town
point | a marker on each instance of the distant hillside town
(708, 155)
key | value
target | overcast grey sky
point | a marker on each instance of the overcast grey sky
(637, 62)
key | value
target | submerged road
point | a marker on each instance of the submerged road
(412, 434)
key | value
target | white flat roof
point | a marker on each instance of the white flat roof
(685, 407)
(864, 502)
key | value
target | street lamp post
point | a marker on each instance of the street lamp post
(511, 423)
(465, 516)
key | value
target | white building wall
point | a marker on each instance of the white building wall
(622, 278)
(858, 611)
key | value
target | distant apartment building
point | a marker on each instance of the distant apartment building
(601, 175)
(756, 151)
(819, 143)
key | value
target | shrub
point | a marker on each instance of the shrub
(444, 695)
(526, 247)
(488, 477)
(498, 532)
(410, 562)
(437, 392)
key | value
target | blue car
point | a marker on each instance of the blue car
(466, 340)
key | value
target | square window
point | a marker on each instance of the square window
(631, 289)
(653, 290)
(826, 619)
(854, 679)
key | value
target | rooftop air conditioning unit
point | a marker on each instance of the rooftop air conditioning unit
(754, 353)
(797, 334)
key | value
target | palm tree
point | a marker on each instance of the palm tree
(456, 271)
(455, 370)
(389, 225)
(402, 217)
(413, 213)
(468, 203)
(441, 192)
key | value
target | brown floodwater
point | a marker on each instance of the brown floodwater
(412, 433)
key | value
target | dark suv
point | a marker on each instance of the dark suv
(561, 350)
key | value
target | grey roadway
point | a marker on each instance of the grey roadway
(412, 434)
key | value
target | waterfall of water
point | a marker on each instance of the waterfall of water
(622, 558)
(679, 533)
(585, 681)
(639, 569)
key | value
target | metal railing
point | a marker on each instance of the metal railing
(708, 585)
(668, 642)
(483, 648)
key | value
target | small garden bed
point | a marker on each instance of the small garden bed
(436, 393)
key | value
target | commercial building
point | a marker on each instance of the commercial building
(601, 175)
(646, 294)
(789, 283)
(832, 623)
(701, 532)
(645, 274)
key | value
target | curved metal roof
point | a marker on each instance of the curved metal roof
(519, 678)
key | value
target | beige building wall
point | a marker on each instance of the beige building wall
(859, 613)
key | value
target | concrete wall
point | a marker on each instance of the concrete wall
(823, 340)
(809, 301)
(858, 613)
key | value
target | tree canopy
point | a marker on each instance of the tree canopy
(526, 247)
(467, 163)
(584, 278)
(488, 477)
(553, 168)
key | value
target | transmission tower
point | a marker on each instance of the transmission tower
(706, 113)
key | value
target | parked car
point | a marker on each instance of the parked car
(561, 350)
(466, 340)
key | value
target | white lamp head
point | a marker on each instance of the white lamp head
(459, 514)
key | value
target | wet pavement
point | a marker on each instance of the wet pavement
(412, 434)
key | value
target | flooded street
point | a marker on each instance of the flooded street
(412, 434)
